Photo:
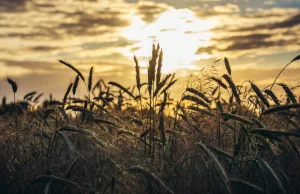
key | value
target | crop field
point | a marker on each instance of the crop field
(218, 137)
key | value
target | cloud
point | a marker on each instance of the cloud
(32, 66)
(7, 70)
(274, 13)
(259, 36)
(97, 22)
(238, 43)
(76, 29)
(208, 11)
(43, 48)
(66, 19)
(255, 44)
(105, 18)
(50, 30)
(228, 8)
(151, 10)
(12, 5)
(118, 42)
(269, 2)
(246, 38)
(288, 23)
(22, 35)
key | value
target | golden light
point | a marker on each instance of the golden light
(179, 32)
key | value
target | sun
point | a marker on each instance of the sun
(179, 32)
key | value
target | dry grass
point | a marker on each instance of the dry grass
(115, 140)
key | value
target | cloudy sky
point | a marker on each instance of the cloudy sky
(258, 36)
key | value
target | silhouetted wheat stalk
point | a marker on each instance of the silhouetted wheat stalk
(73, 68)
(14, 87)
(295, 59)
(90, 83)
(76, 82)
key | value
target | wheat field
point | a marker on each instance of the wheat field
(219, 137)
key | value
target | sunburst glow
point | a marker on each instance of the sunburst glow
(175, 32)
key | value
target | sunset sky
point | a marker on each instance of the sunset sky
(258, 37)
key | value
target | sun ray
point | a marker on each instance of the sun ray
(175, 33)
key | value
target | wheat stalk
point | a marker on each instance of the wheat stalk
(13, 84)
(281, 108)
(151, 176)
(76, 82)
(122, 88)
(227, 66)
(137, 74)
(159, 66)
(90, 79)
(73, 68)
(199, 94)
(289, 93)
(29, 95)
(196, 100)
(233, 87)
(295, 59)
(67, 93)
(272, 95)
(259, 94)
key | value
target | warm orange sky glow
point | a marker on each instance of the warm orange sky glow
(170, 31)
(258, 37)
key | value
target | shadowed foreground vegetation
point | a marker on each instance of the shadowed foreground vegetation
(218, 138)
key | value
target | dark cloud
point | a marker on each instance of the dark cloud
(83, 23)
(186, 3)
(208, 49)
(239, 43)
(88, 24)
(120, 42)
(44, 5)
(293, 21)
(24, 35)
(203, 13)
(245, 38)
(246, 44)
(262, 14)
(13, 1)
(256, 44)
(43, 48)
(10, 25)
(256, 40)
(150, 11)
(103, 18)
(12, 5)
(37, 32)
(289, 23)
(76, 29)
(33, 65)
(208, 11)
